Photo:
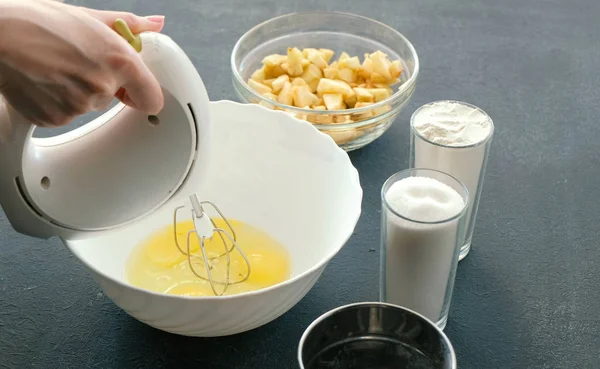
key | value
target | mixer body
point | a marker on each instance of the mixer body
(114, 170)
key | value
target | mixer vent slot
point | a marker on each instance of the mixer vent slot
(189, 105)
(25, 198)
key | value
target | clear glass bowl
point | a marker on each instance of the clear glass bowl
(351, 128)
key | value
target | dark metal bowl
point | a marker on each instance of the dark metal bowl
(373, 335)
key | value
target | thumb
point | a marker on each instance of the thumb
(137, 24)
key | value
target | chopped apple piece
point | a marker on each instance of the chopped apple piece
(270, 96)
(366, 69)
(381, 110)
(347, 75)
(396, 69)
(320, 118)
(327, 54)
(379, 94)
(259, 87)
(363, 95)
(377, 78)
(363, 115)
(274, 72)
(330, 86)
(274, 60)
(342, 119)
(331, 73)
(258, 75)
(286, 95)
(383, 85)
(381, 65)
(308, 50)
(350, 99)
(278, 83)
(312, 72)
(316, 58)
(303, 96)
(294, 65)
(343, 56)
(334, 101)
(350, 63)
(298, 82)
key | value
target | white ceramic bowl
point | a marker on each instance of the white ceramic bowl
(268, 169)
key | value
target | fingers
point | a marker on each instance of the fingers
(137, 24)
(139, 88)
(38, 111)
(100, 102)
(124, 97)
(148, 99)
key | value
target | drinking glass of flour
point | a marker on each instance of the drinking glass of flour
(453, 137)
(423, 226)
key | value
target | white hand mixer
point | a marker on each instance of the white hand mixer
(119, 167)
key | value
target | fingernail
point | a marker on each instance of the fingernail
(156, 18)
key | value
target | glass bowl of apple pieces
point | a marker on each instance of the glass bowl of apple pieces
(348, 75)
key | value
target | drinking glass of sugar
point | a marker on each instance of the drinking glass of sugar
(423, 226)
(453, 137)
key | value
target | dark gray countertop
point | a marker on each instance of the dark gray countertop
(527, 296)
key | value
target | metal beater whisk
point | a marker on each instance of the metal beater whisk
(205, 228)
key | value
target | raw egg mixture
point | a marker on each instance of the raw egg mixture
(158, 265)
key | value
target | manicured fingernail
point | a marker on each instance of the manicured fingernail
(156, 18)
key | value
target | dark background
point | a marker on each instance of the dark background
(528, 294)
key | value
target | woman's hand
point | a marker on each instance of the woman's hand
(58, 61)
